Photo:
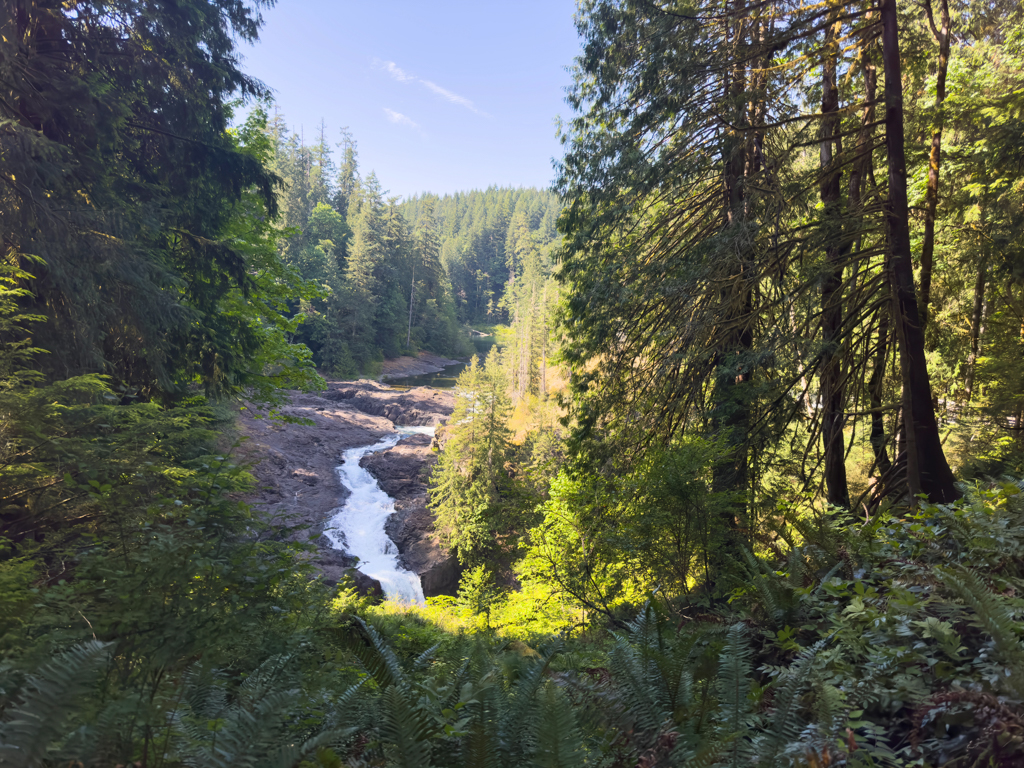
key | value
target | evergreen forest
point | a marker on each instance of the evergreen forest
(739, 482)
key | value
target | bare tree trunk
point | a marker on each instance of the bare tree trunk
(412, 294)
(859, 171)
(833, 394)
(931, 198)
(544, 345)
(875, 383)
(977, 328)
(928, 471)
(731, 412)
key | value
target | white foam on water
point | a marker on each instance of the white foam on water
(358, 526)
(416, 430)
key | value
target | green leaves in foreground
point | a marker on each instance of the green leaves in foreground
(35, 722)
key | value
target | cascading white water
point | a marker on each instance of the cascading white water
(358, 526)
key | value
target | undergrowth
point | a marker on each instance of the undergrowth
(893, 642)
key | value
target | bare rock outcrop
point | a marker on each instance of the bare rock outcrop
(420, 407)
(406, 365)
(298, 485)
(294, 467)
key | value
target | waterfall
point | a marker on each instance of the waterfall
(357, 527)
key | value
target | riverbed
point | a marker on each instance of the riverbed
(300, 489)
(358, 527)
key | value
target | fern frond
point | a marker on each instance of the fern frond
(558, 740)
(828, 576)
(481, 748)
(994, 616)
(406, 730)
(765, 585)
(521, 711)
(831, 712)
(707, 755)
(375, 655)
(786, 726)
(267, 677)
(644, 629)
(290, 755)
(49, 697)
(627, 669)
(797, 567)
(427, 656)
(349, 698)
(734, 683)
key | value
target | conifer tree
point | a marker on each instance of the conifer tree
(471, 493)
(123, 178)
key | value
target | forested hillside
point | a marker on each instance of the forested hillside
(486, 238)
(396, 276)
(382, 290)
(739, 483)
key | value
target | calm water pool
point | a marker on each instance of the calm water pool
(442, 380)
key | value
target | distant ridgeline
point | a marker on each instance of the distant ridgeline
(397, 277)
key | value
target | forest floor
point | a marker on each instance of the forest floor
(297, 483)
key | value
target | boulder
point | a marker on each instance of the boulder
(335, 566)
(442, 577)
(419, 407)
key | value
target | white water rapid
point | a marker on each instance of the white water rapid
(358, 526)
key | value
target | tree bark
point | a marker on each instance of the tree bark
(833, 394)
(977, 328)
(928, 471)
(875, 383)
(931, 198)
(412, 295)
(544, 346)
(731, 416)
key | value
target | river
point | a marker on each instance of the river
(358, 526)
(445, 379)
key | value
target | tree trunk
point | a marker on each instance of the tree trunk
(833, 394)
(928, 471)
(931, 198)
(875, 383)
(731, 415)
(977, 329)
(412, 295)
(544, 346)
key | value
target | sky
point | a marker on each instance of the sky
(440, 95)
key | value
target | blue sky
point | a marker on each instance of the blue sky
(440, 95)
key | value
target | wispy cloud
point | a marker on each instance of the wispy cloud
(402, 76)
(399, 118)
(399, 74)
(454, 98)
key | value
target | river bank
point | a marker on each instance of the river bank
(406, 365)
(295, 467)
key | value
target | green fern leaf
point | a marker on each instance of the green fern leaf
(375, 655)
(35, 724)
(405, 730)
(558, 740)
(787, 725)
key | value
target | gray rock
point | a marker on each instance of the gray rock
(442, 578)
(295, 468)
